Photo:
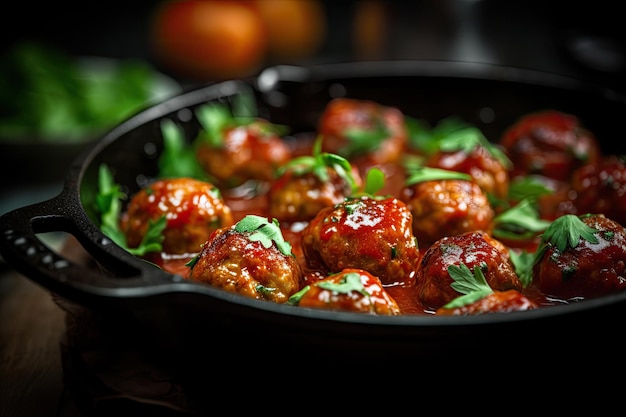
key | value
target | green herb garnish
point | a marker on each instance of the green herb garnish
(263, 231)
(318, 163)
(523, 262)
(178, 158)
(362, 141)
(521, 221)
(109, 206)
(425, 139)
(468, 139)
(349, 282)
(422, 174)
(474, 286)
(565, 232)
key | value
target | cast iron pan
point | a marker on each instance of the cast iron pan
(180, 314)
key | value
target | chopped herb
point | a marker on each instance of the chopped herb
(294, 300)
(473, 286)
(425, 139)
(109, 206)
(178, 158)
(422, 174)
(362, 141)
(521, 221)
(565, 232)
(468, 139)
(349, 282)
(264, 231)
(523, 263)
(318, 163)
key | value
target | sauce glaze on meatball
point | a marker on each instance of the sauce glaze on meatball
(366, 233)
(193, 209)
(473, 249)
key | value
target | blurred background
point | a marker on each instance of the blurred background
(69, 72)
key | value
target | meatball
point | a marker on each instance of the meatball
(473, 249)
(249, 258)
(363, 131)
(549, 143)
(193, 210)
(488, 171)
(581, 257)
(601, 188)
(365, 233)
(246, 152)
(495, 302)
(310, 183)
(446, 207)
(353, 290)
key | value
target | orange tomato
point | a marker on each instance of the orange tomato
(209, 39)
(296, 28)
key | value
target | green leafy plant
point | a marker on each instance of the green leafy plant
(109, 205)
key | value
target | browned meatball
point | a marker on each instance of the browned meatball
(363, 130)
(193, 210)
(365, 233)
(549, 143)
(446, 207)
(496, 302)
(592, 265)
(310, 183)
(488, 171)
(473, 249)
(353, 290)
(601, 188)
(249, 259)
(250, 151)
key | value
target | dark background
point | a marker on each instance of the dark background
(584, 39)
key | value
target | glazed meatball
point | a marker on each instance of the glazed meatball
(446, 207)
(363, 130)
(250, 151)
(353, 290)
(473, 249)
(549, 143)
(249, 258)
(193, 210)
(365, 233)
(488, 171)
(601, 188)
(496, 302)
(581, 257)
(310, 183)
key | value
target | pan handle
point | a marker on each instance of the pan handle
(120, 274)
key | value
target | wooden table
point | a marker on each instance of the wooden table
(32, 328)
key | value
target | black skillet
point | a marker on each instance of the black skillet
(193, 317)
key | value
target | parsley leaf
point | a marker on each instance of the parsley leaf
(474, 286)
(423, 174)
(109, 207)
(349, 282)
(565, 232)
(521, 221)
(178, 158)
(318, 163)
(523, 263)
(264, 231)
